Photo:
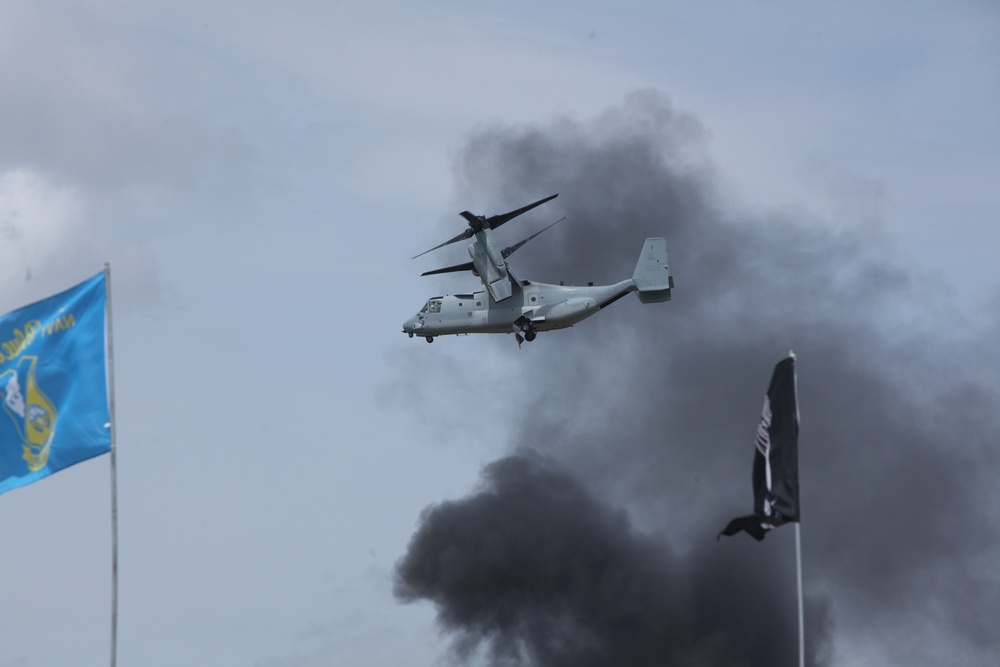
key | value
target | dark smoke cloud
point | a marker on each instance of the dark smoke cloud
(549, 575)
(652, 408)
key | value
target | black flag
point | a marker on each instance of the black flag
(776, 460)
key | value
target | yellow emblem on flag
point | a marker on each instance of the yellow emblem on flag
(33, 413)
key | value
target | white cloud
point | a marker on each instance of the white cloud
(49, 240)
(41, 224)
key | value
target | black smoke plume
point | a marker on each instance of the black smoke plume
(652, 408)
(549, 575)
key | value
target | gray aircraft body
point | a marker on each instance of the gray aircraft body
(507, 304)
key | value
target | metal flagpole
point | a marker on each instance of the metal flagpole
(798, 529)
(114, 466)
(798, 569)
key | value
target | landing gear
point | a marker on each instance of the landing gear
(523, 326)
(430, 339)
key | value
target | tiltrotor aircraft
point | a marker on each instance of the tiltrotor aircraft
(508, 304)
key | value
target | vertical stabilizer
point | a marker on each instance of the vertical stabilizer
(652, 272)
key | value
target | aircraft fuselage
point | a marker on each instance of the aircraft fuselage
(546, 307)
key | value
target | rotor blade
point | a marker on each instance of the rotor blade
(475, 222)
(468, 266)
(509, 250)
(464, 235)
(495, 221)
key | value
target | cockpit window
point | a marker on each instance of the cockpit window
(432, 306)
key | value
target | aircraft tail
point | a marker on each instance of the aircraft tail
(652, 273)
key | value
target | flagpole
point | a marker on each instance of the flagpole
(798, 571)
(798, 531)
(114, 466)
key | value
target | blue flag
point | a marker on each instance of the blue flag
(53, 384)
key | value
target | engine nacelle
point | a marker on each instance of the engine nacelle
(490, 266)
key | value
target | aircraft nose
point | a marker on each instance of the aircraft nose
(412, 324)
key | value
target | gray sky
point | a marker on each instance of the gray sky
(259, 176)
